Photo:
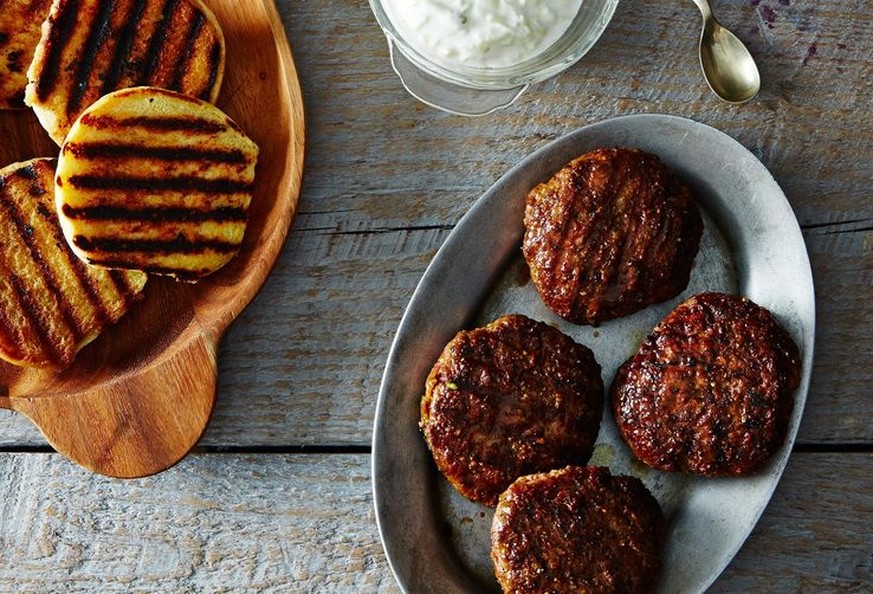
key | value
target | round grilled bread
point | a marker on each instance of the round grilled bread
(92, 47)
(711, 389)
(51, 303)
(577, 529)
(611, 233)
(512, 398)
(153, 180)
(20, 22)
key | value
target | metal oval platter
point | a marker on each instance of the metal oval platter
(437, 541)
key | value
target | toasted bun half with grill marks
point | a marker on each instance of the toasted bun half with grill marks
(153, 180)
(51, 303)
(20, 22)
(92, 47)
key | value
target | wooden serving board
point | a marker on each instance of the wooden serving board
(138, 398)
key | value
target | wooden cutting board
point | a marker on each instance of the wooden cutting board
(138, 398)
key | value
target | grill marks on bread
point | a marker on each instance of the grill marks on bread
(156, 181)
(92, 47)
(51, 303)
(113, 149)
(20, 22)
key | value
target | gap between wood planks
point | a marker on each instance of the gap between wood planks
(849, 226)
(799, 448)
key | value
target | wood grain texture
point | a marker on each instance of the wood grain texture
(211, 524)
(305, 523)
(138, 399)
(815, 536)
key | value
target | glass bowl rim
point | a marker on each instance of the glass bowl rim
(558, 57)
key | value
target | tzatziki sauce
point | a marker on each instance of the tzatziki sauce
(481, 33)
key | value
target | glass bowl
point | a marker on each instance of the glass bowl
(469, 90)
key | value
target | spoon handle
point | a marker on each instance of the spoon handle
(705, 8)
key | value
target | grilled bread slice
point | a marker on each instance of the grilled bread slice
(153, 180)
(20, 22)
(51, 303)
(92, 47)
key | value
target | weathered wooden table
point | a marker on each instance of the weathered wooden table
(277, 495)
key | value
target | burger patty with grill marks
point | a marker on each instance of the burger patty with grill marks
(578, 529)
(513, 398)
(611, 233)
(711, 389)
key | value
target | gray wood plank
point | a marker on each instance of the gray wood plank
(816, 535)
(217, 523)
(304, 523)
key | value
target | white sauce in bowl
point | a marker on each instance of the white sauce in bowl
(481, 33)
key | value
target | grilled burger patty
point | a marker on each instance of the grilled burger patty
(20, 22)
(51, 303)
(611, 233)
(154, 180)
(710, 390)
(92, 47)
(578, 529)
(509, 399)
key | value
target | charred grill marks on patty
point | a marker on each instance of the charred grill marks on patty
(577, 529)
(612, 232)
(711, 389)
(514, 397)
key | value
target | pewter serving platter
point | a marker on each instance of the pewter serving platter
(437, 541)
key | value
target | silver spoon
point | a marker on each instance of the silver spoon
(727, 65)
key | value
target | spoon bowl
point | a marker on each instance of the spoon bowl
(727, 65)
